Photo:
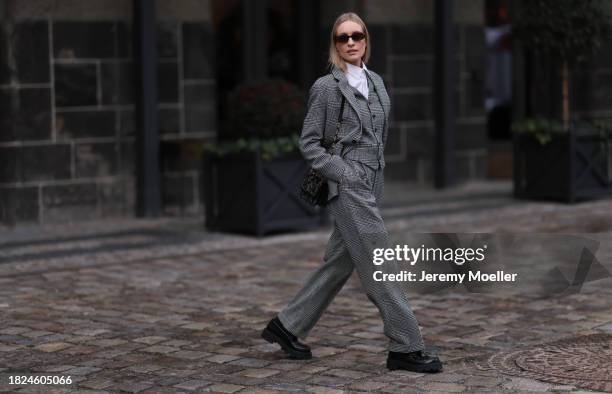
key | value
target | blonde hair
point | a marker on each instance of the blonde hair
(334, 57)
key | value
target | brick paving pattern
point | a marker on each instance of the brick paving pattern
(150, 310)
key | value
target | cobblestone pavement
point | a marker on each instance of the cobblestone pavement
(163, 307)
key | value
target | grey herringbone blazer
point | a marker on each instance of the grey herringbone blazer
(321, 119)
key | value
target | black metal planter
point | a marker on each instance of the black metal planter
(569, 168)
(246, 194)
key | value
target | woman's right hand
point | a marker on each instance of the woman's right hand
(353, 172)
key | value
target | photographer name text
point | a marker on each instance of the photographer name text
(436, 255)
(424, 276)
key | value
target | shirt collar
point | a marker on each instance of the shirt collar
(356, 72)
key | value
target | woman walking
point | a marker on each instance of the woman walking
(355, 98)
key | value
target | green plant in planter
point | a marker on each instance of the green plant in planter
(268, 148)
(567, 30)
(264, 117)
(604, 127)
(541, 129)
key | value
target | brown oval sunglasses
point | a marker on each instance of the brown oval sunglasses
(357, 36)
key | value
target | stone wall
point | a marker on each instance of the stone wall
(67, 108)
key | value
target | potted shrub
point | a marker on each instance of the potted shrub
(252, 176)
(562, 159)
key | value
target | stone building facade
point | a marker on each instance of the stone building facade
(67, 134)
(67, 107)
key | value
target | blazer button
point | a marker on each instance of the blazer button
(354, 140)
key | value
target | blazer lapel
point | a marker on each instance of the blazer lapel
(347, 93)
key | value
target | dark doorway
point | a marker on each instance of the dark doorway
(499, 69)
(498, 100)
(274, 35)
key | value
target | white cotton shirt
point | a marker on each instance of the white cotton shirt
(357, 78)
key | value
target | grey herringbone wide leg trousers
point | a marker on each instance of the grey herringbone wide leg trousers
(358, 228)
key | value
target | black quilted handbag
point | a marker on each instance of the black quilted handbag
(314, 188)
